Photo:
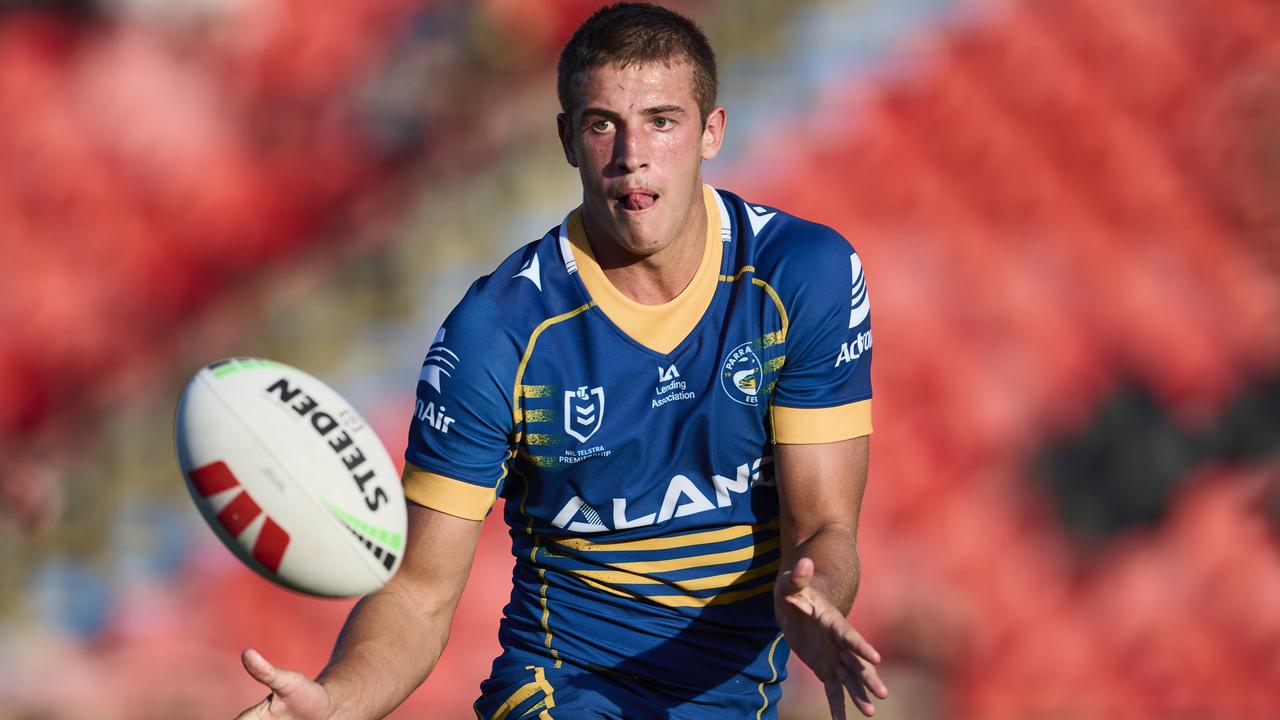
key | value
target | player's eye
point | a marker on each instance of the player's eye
(602, 126)
(663, 123)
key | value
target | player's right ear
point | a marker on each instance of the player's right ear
(566, 138)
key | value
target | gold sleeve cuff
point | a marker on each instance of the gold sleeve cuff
(804, 426)
(455, 497)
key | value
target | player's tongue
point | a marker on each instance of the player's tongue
(638, 201)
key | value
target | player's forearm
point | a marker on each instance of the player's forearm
(388, 646)
(837, 570)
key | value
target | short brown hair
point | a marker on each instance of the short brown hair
(627, 34)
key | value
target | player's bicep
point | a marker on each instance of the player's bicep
(439, 550)
(820, 485)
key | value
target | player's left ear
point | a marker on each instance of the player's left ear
(713, 133)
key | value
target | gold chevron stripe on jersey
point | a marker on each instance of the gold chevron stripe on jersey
(685, 601)
(667, 542)
(710, 582)
(697, 561)
(647, 578)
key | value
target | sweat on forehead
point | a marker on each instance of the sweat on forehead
(619, 75)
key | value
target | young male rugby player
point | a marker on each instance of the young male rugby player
(671, 391)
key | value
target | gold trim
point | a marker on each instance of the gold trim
(807, 426)
(777, 301)
(773, 679)
(519, 389)
(449, 495)
(535, 391)
(542, 573)
(687, 601)
(646, 567)
(725, 580)
(538, 415)
(540, 677)
(659, 327)
(666, 543)
(524, 692)
(738, 275)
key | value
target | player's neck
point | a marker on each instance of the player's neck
(657, 278)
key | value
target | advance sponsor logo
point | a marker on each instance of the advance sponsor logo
(670, 387)
(854, 349)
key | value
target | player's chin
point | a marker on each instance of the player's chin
(640, 235)
(641, 242)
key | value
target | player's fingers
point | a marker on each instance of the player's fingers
(855, 643)
(868, 672)
(802, 603)
(856, 689)
(835, 698)
(257, 712)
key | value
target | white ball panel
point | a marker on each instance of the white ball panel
(294, 476)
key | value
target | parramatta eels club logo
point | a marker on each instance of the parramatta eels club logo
(741, 375)
(583, 411)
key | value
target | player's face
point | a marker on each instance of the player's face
(638, 142)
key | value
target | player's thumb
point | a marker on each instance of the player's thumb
(798, 577)
(263, 671)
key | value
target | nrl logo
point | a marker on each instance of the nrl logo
(583, 412)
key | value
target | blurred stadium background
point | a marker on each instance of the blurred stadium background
(1070, 212)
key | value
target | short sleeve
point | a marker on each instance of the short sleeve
(462, 422)
(823, 393)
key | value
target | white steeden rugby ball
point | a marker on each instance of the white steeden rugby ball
(291, 477)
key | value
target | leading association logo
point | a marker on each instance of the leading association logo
(583, 411)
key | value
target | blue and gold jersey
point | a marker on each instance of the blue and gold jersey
(632, 442)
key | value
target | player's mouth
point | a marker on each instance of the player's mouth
(636, 201)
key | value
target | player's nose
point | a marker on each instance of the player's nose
(630, 151)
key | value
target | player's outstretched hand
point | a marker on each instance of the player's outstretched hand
(293, 696)
(821, 636)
